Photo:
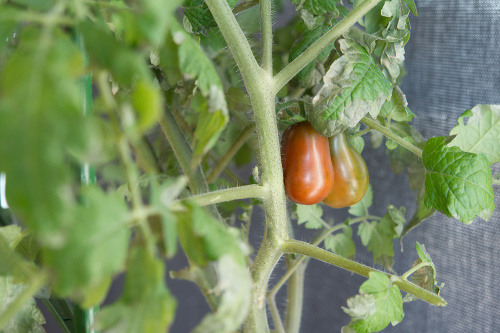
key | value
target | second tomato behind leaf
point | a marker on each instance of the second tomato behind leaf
(350, 173)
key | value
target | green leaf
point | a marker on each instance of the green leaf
(105, 50)
(214, 249)
(425, 276)
(148, 103)
(203, 238)
(234, 286)
(313, 12)
(199, 15)
(29, 318)
(162, 196)
(457, 184)
(342, 243)
(92, 248)
(361, 208)
(481, 135)
(411, 5)
(423, 254)
(353, 87)
(146, 304)
(40, 129)
(397, 108)
(377, 240)
(378, 304)
(378, 236)
(311, 215)
(358, 143)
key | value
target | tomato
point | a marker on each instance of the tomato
(307, 167)
(351, 174)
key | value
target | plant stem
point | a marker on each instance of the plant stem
(295, 295)
(496, 181)
(416, 268)
(361, 133)
(315, 49)
(224, 161)
(293, 246)
(259, 85)
(61, 312)
(230, 194)
(370, 122)
(244, 5)
(266, 25)
(275, 314)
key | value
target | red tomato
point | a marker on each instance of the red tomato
(351, 175)
(307, 167)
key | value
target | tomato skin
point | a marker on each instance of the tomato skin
(351, 174)
(307, 166)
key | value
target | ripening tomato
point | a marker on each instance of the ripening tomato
(351, 174)
(307, 166)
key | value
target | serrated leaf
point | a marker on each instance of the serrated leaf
(233, 286)
(377, 240)
(29, 318)
(146, 304)
(311, 215)
(422, 253)
(342, 243)
(313, 12)
(203, 238)
(358, 143)
(199, 15)
(481, 135)
(361, 208)
(55, 126)
(458, 184)
(388, 305)
(106, 51)
(353, 87)
(378, 236)
(219, 258)
(92, 247)
(397, 108)
(411, 5)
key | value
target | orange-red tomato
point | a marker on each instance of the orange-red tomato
(351, 175)
(307, 166)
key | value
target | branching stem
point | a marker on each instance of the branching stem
(293, 246)
(312, 52)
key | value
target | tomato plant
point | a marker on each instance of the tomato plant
(307, 167)
(128, 130)
(350, 173)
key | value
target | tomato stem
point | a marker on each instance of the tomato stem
(230, 194)
(370, 122)
(312, 52)
(294, 246)
(267, 36)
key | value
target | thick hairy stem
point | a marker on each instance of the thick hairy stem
(267, 36)
(259, 87)
(312, 52)
(293, 246)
